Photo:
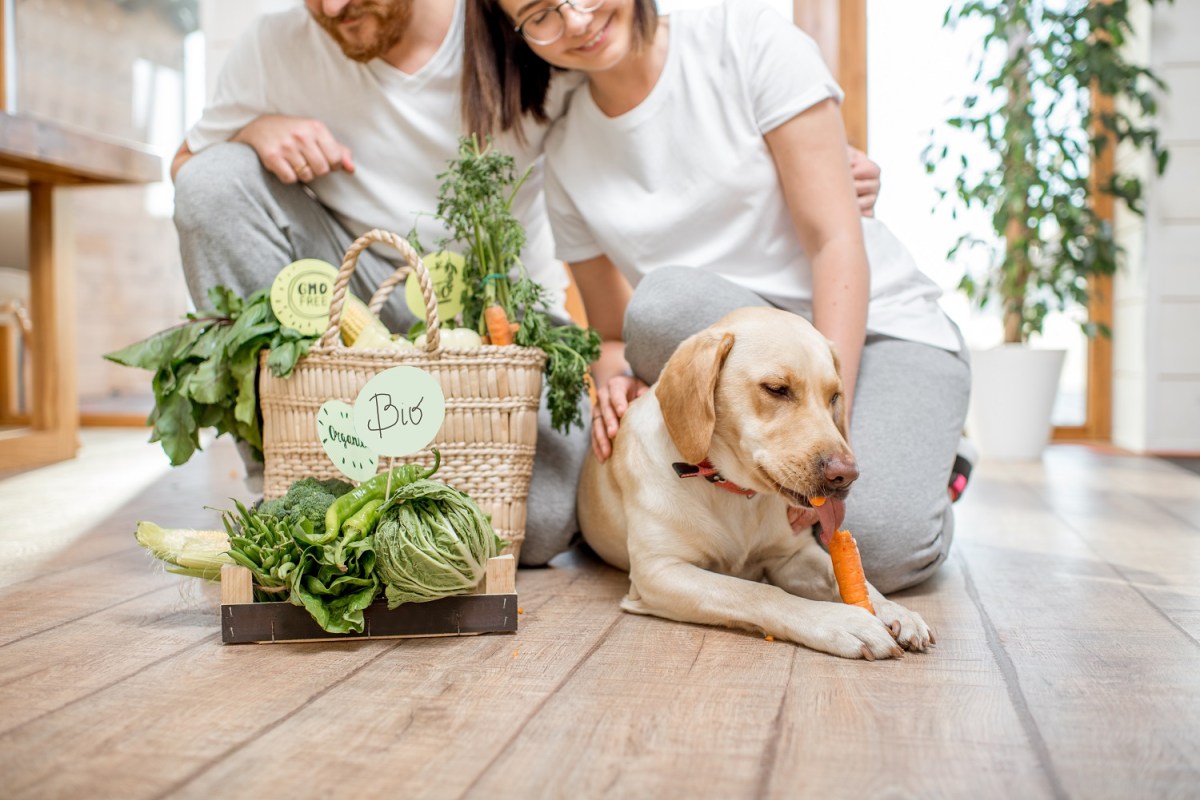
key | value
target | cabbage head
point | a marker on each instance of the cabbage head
(431, 541)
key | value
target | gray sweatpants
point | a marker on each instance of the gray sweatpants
(239, 225)
(909, 407)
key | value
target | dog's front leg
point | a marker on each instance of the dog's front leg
(809, 573)
(669, 587)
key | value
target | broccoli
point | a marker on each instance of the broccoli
(307, 498)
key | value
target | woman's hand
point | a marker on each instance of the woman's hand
(612, 401)
(295, 148)
(865, 173)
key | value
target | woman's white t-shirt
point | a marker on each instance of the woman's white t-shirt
(686, 179)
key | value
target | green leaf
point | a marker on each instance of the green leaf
(158, 350)
(205, 371)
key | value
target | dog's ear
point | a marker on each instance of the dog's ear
(686, 392)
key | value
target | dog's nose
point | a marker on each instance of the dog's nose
(840, 473)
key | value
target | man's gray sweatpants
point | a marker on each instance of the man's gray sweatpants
(909, 407)
(239, 225)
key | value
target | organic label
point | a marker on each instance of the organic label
(301, 293)
(399, 411)
(335, 427)
(445, 270)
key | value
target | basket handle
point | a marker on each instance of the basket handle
(432, 323)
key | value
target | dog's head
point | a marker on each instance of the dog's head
(760, 394)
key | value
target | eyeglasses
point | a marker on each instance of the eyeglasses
(548, 25)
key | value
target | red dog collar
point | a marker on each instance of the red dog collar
(706, 470)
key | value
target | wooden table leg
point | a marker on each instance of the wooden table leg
(54, 434)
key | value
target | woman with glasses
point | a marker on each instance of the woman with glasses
(712, 139)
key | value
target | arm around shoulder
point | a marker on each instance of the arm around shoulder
(181, 156)
(811, 158)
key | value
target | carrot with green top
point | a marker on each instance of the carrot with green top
(499, 330)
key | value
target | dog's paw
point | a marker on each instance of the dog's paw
(850, 632)
(906, 626)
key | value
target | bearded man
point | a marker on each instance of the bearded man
(328, 121)
(333, 119)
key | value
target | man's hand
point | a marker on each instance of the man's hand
(612, 401)
(295, 148)
(866, 181)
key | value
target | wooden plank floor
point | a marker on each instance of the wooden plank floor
(1067, 665)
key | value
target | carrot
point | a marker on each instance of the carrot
(817, 502)
(499, 330)
(848, 570)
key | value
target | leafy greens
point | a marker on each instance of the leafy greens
(206, 370)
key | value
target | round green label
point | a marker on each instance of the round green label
(445, 270)
(399, 411)
(301, 293)
(335, 427)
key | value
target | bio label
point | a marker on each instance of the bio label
(399, 411)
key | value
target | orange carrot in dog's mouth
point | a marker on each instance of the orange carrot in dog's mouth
(843, 551)
(830, 512)
(848, 571)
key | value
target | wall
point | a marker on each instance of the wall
(111, 71)
(1156, 402)
(223, 21)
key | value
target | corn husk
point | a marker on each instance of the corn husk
(185, 551)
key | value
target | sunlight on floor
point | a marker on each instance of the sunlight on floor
(48, 508)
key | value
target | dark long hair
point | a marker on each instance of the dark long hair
(504, 81)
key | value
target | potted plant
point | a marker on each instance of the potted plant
(1032, 150)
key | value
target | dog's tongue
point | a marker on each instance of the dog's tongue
(830, 513)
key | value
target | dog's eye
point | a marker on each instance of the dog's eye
(837, 398)
(777, 390)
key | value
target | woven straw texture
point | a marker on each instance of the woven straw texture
(492, 393)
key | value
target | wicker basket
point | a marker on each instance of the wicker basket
(492, 393)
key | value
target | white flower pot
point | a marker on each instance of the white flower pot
(1013, 388)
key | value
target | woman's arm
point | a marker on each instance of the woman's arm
(605, 294)
(810, 156)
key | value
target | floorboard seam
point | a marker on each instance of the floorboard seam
(340, 680)
(768, 766)
(43, 576)
(92, 613)
(1012, 683)
(1153, 605)
(1101, 558)
(108, 685)
(600, 640)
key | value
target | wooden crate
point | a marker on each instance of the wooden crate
(491, 609)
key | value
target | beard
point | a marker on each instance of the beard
(391, 21)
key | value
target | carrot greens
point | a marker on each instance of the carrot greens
(475, 203)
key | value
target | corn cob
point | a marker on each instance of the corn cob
(197, 554)
(356, 318)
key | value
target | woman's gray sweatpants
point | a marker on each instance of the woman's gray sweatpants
(239, 225)
(909, 407)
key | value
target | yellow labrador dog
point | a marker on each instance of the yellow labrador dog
(745, 421)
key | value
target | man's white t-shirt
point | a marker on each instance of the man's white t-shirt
(402, 129)
(686, 179)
